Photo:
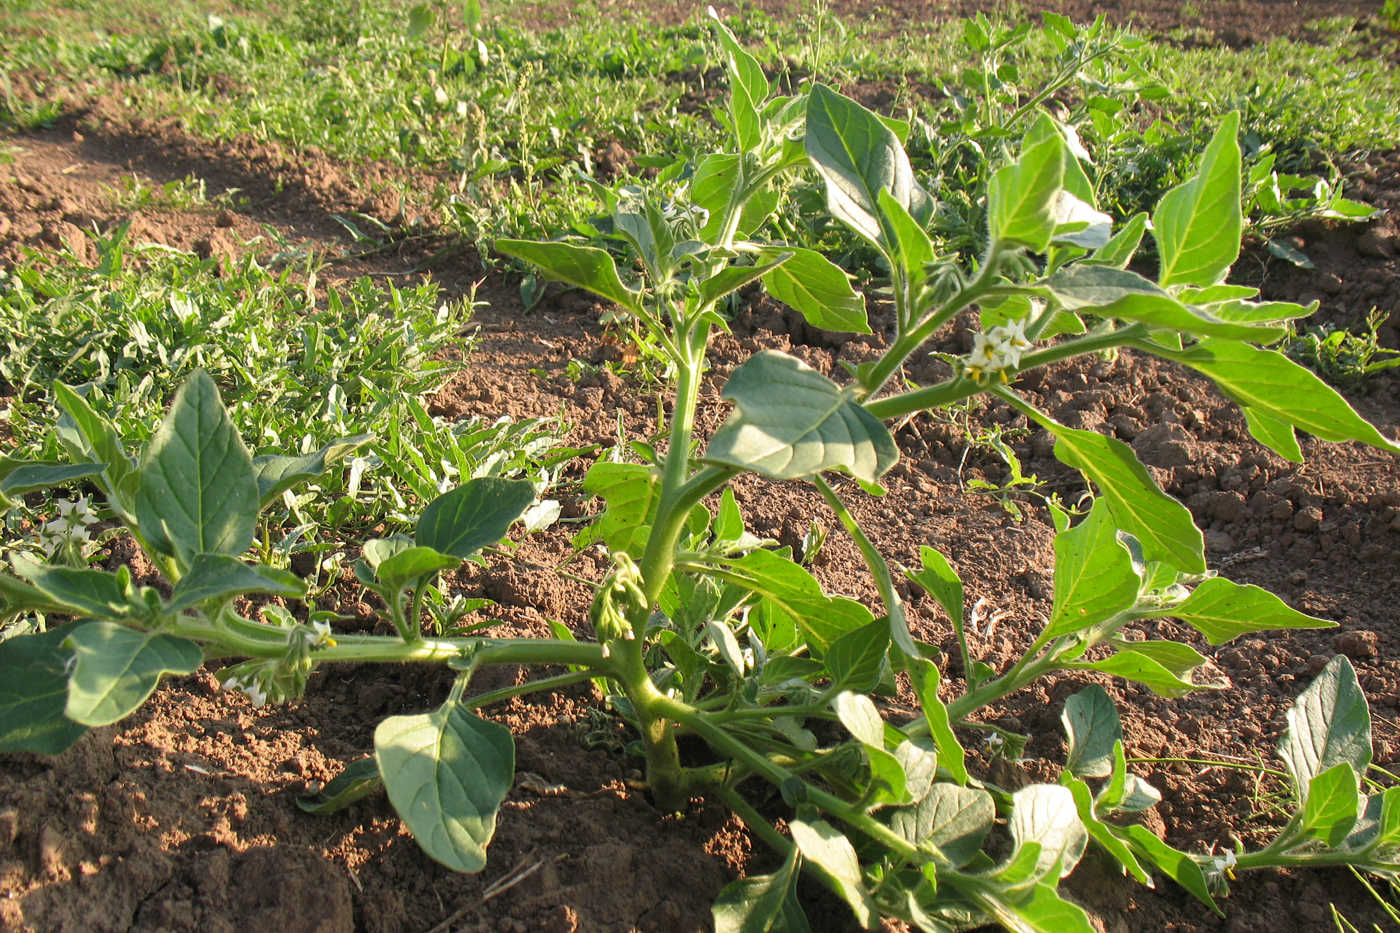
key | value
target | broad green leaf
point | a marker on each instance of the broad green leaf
(924, 676)
(1274, 434)
(446, 773)
(714, 183)
(1178, 658)
(630, 491)
(1138, 795)
(18, 596)
(411, 564)
(733, 278)
(1092, 728)
(820, 290)
(1094, 575)
(723, 637)
(919, 764)
(277, 473)
(1270, 384)
(86, 435)
(1100, 832)
(42, 474)
(858, 714)
(823, 619)
(1130, 665)
(1045, 911)
(1045, 813)
(1198, 223)
(1021, 196)
(587, 267)
(1173, 863)
(940, 580)
(420, 18)
(116, 668)
(377, 550)
(1162, 526)
(34, 693)
(219, 576)
(857, 156)
(824, 846)
(1329, 724)
(1119, 250)
(762, 903)
(1221, 610)
(197, 492)
(792, 422)
(1107, 292)
(913, 248)
(476, 514)
(953, 819)
(856, 659)
(1331, 805)
(93, 594)
(748, 87)
(359, 780)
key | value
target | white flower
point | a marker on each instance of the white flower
(249, 687)
(997, 350)
(323, 635)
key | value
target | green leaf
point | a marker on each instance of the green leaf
(858, 714)
(630, 490)
(1021, 196)
(116, 668)
(42, 474)
(714, 184)
(446, 773)
(1100, 831)
(1135, 504)
(825, 847)
(85, 593)
(1332, 805)
(197, 492)
(762, 903)
(823, 619)
(924, 676)
(474, 515)
(412, 564)
(1173, 863)
(857, 156)
(1221, 609)
(86, 435)
(912, 247)
(1274, 434)
(1092, 727)
(359, 780)
(18, 596)
(277, 473)
(940, 580)
(1094, 575)
(1107, 292)
(1178, 658)
(820, 290)
(953, 819)
(748, 87)
(1044, 912)
(584, 266)
(1130, 665)
(1198, 223)
(1119, 250)
(792, 422)
(1270, 384)
(34, 693)
(856, 659)
(218, 576)
(733, 278)
(1045, 813)
(1329, 724)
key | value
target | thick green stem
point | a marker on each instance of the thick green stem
(531, 686)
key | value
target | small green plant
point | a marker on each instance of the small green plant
(702, 630)
(1345, 358)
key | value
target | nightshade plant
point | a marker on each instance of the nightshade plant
(703, 630)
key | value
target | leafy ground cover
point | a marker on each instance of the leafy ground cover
(182, 817)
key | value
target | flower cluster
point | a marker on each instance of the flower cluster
(997, 351)
(70, 529)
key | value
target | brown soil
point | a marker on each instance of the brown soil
(182, 818)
